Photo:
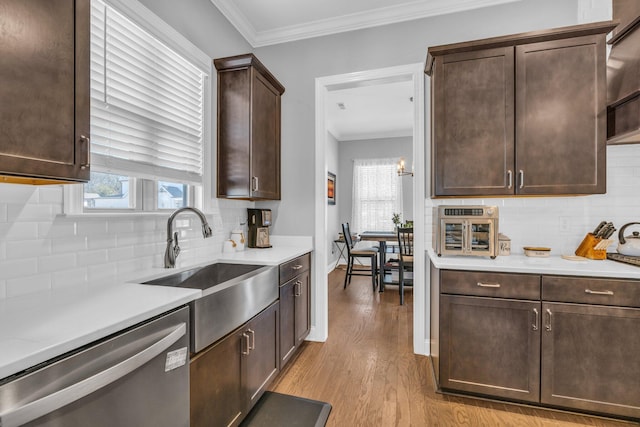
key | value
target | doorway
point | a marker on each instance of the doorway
(324, 85)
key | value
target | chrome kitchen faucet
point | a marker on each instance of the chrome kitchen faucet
(173, 249)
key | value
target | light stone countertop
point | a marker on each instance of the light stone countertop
(37, 327)
(554, 265)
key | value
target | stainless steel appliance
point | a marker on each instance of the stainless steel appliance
(466, 230)
(231, 295)
(259, 223)
(137, 378)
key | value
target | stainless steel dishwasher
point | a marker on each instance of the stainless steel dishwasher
(138, 378)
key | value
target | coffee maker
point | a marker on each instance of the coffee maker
(259, 222)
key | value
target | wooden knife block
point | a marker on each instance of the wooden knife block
(586, 248)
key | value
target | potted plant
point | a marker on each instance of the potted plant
(396, 220)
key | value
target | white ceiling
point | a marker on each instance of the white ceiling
(267, 22)
(382, 110)
(376, 110)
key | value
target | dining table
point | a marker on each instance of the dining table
(382, 237)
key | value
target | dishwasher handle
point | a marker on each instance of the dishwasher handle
(54, 401)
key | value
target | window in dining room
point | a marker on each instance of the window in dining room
(377, 194)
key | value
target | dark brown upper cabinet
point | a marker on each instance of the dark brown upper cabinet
(248, 156)
(521, 114)
(623, 75)
(44, 112)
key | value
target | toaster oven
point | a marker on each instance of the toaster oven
(466, 230)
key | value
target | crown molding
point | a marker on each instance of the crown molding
(356, 21)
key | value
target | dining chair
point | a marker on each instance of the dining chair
(353, 254)
(405, 243)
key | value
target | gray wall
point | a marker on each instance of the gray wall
(372, 149)
(333, 220)
(298, 64)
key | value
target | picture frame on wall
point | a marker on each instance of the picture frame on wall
(331, 188)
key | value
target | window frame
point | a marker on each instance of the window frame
(145, 200)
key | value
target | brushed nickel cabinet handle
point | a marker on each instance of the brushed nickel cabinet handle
(253, 339)
(548, 326)
(536, 323)
(589, 291)
(521, 173)
(296, 267)
(86, 140)
(298, 289)
(488, 285)
(510, 179)
(246, 344)
(255, 183)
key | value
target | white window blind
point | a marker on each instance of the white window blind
(377, 194)
(147, 102)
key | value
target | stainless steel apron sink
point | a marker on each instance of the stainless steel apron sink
(231, 295)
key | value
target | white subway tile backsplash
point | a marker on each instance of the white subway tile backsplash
(57, 262)
(12, 231)
(120, 226)
(19, 194)
(69, 244)
(92, 228)
(57, 229)
(50, 194)
(28, 284)
(20, 249)
(87, 258)
(69, 278)
(120, 253)
(102, 274)
(562, 222)
(31, 212)
(39, 249)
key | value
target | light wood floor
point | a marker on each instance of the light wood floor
(369, 374)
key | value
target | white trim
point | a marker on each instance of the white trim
(145, 18)
(420, 292)
(371, 18)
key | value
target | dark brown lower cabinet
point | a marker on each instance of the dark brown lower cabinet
(562, 341)
(591, 358)
(490, 346)
(295, 319)
(229, 377)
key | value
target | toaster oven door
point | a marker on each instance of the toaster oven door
(467, 237)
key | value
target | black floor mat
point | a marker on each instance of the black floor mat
(276, 409)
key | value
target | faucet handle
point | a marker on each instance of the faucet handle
(176, 248)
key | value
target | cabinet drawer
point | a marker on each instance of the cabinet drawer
(482, 283)
(292, 268)
(589, 290)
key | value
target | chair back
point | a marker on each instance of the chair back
(346, 232)
(405, 241)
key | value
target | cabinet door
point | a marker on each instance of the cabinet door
(265, 139)
(303, 300)
(490, 346)
(44, 112)
(217, 395)
(561, 116)
(287, 321)
(473, 123)
(590, 358)
(260, 365)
